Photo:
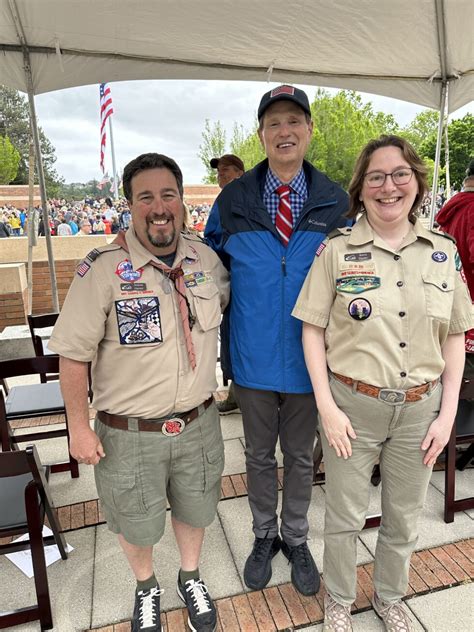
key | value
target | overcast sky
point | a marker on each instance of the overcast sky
(163, 116)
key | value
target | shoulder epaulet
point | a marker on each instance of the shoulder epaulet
(93, 254)
(193, 237)
(337, 232)
(440, 233)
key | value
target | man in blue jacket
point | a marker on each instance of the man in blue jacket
(267, 226)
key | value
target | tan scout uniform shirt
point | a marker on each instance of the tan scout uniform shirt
(386, 313)
(123, 314)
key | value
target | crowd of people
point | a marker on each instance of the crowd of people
(87, 217)
(307, 276)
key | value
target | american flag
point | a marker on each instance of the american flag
(106, 109)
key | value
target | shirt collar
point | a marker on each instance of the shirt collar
(140, 256)
(298, 184)
(362, 233)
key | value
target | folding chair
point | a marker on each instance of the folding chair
(33, 400)
(40, 345)
(463, 432)
(25, 500)
(41, 321)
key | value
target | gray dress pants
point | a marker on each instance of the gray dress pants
(291, 418)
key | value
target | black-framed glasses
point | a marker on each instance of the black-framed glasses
(375, 179)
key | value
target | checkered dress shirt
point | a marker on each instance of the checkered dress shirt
(298, 194)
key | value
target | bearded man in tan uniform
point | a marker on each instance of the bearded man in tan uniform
(145, 311)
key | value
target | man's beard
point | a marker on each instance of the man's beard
(161, 242)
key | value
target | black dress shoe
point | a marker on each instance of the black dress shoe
(258, 567)
(304, 572)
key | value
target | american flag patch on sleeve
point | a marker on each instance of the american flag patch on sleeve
(321, 247)
(83, 268)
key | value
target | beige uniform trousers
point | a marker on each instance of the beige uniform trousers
(393, 433)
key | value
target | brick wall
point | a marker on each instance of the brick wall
(42, 296)
(13, 309)
(14, 306)
(200, 193)
(18, 195)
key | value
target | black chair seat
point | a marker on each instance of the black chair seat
(34, 399)
(13, 514)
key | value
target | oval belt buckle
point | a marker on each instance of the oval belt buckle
(172, 427)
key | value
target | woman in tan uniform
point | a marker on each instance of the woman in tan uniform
(384, 312)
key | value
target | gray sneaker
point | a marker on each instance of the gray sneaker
(394, 615)
(337, 617)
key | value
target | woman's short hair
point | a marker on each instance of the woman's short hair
(386, 140)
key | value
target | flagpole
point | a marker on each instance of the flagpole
(114, 168)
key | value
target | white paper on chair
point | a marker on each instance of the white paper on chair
(23, 559)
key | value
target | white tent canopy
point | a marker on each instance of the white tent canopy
(411, 50)
(404, 49)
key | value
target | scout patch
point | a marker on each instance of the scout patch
(93, 254)
(321, 247)
(439, 256)
(359, 309)
(357, 284)
(133, 287)
(457, 261)
(358, 256)
(83, 268)
(192, 279)
(139, 320)
(126, 272)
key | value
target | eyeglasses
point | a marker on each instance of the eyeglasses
(377, 179)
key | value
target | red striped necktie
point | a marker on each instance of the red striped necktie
(284, 218)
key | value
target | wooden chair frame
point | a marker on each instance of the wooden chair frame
(38, 503)
(9, 441)
(40, 321)
(466, 407)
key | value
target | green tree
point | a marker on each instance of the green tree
(15, 119)
(247, 146)
(460, 138)
(9, 160)
(212, 146)
(343, 124)
(424, 127)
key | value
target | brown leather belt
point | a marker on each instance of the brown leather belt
(169, 426)
(389, 395)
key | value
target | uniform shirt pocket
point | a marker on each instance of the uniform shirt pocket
(207, 305)
(439, 295)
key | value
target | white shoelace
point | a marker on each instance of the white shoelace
(148, 612)
(198, 592)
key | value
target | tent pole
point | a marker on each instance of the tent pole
(434, 190)
(42, 184)
(39, 160)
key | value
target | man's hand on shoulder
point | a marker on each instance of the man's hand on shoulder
(86, 446)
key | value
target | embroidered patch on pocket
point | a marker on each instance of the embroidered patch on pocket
(139, 320)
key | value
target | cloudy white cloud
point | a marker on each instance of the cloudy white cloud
(163, 116)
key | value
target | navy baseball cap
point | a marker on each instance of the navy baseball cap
(284, 93)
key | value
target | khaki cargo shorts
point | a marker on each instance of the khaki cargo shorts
(143, 470)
